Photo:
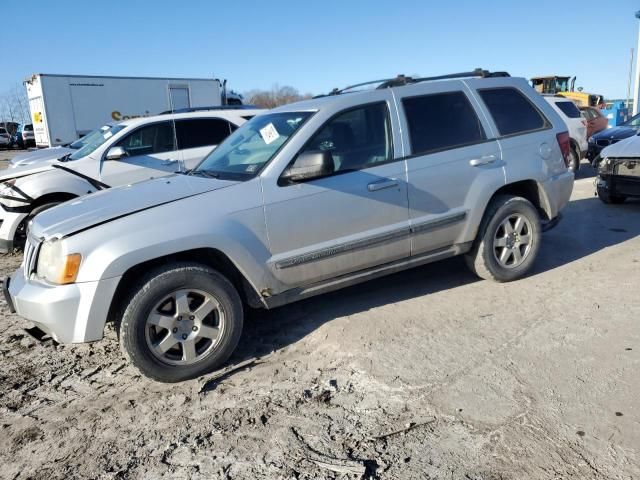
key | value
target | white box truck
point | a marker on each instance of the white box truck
(66, 107)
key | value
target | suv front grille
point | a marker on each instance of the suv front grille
(31, 248)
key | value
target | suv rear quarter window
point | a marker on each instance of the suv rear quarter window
(201, 132)
(441, 121)
(512, 112)
(569, 109)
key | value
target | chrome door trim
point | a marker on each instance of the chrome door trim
(430, 225)
(340, 248)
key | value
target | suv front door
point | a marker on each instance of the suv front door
(350, 220)
(453, 158)
(151, 153)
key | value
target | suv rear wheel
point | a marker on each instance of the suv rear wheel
(182, 321)
(508, 240)
(574, 160)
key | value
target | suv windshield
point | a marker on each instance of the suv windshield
(94, 140)
(89, 137)
(243, 154)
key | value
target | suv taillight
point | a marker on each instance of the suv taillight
(565, 146)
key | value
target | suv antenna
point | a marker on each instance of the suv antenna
(175, 134)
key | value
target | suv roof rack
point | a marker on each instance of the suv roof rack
(402, 80)
(212, 108)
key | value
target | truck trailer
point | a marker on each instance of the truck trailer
(67, 107)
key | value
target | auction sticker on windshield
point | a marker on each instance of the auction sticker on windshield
(269, 133)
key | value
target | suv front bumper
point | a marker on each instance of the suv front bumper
(73, 313)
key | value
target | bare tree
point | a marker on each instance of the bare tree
(275, 97)
(14, 106)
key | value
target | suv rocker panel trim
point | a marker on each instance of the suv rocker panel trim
(296, 294)
(323, 253)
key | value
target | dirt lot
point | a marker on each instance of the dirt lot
(426, 374)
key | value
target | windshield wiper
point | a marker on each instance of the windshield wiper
(64, 158)
(205, 173)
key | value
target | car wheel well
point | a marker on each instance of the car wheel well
(528, 189)
(210, 257)
(57, 197)
(575, 146)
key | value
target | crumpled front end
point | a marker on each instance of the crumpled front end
(620, 176)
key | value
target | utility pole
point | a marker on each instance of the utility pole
(636, 89)
(630, 77)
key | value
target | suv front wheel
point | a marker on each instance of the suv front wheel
(508, 240)
(182, 321)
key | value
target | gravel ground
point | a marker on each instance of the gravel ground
(430, 373)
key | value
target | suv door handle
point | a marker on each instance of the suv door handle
(484, 160)
(381, 185)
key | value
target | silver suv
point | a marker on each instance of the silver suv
(301, 200)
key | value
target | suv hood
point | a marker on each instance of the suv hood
(39, 156)
(113, 203)
(629, 147)
(24, 170)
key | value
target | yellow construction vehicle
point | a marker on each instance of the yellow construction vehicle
(559, 85)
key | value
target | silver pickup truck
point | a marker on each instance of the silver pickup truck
(304, 199)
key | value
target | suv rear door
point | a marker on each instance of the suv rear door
(353, 219)
(453, 157)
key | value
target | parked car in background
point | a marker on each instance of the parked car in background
(304, 199)
(23, 137)
(610, 136)
(577, 125)
(596, 121)
(619, 171)
(125, 153)
(5, 138)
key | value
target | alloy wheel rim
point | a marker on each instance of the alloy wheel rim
(512, 241)
(184, 327)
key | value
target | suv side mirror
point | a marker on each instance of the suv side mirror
(309, 165)
(116, 153)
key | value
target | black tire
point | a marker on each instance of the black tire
(21, 232)
(606, 197)
(574, 160)
(482, 258)
(133, 327)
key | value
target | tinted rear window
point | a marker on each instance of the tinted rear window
(441, 121)
(512, 112)
(28, 128)
(569, 109)
(201, 132)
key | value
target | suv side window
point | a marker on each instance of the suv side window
(441, 121)
(512, 112)
(201, 132)
(155, 138)
(357, 138)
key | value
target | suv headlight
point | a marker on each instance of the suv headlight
(55, 266)
(591, 140)
(605, 166)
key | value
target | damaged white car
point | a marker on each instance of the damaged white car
(119, 154)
